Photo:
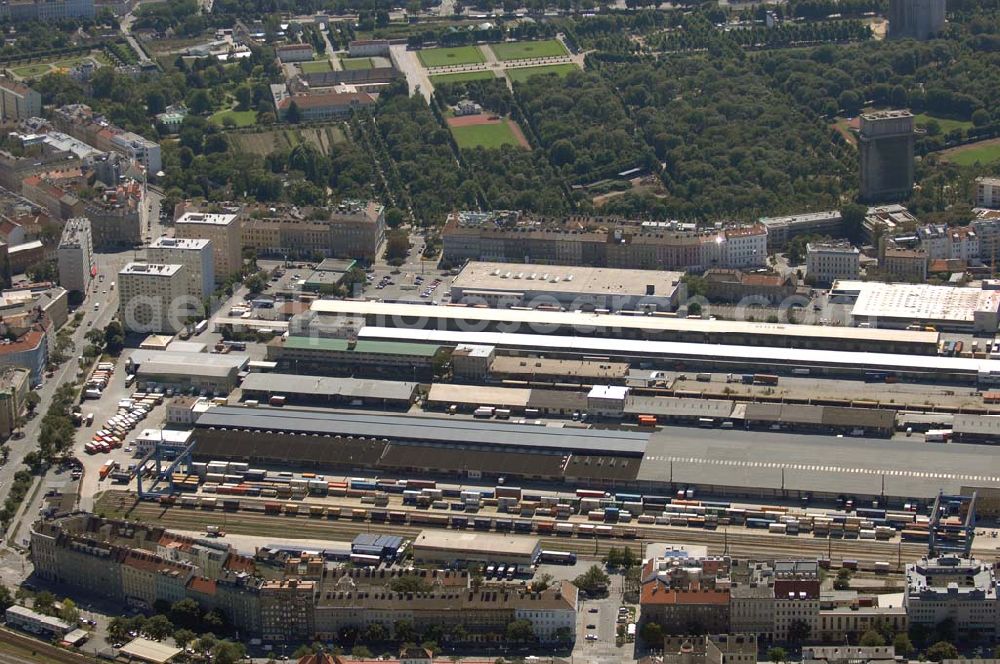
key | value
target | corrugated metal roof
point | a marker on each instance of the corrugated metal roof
(277, 383)
(432, 430)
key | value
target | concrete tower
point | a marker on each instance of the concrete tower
(915, 19)
(886, 140)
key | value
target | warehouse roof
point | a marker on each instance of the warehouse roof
(503, 364)
(923, 301)
(404, 313)
(482, 275)
(147, 650)
(278, 383)
(361, 346)
(457, 541)
(193, 362)
(678, 407)
(720, 352)
(817, 463)
(446, 431)
(479, 395)
(401, 457)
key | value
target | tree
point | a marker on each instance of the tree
(302, 651)
(182, 637)
(159, 627)
(397, 244)
(798, 631)
(404, 630)
(853, 216)
(902, 644)
(981, 118)
(520, 630)
(361, 652)
(31, 401)
(393, 217)
(227, 652)
(69, 613)
(843, 580)
(256, 283)
(942, 650)
(409, 584)
(593, 581)
(114, 338)
(185, 613)
(6, 599)
(543, 581)
(44, 601)
(871, 639)
(777, 655)
(376, 632)
(563, 153)
(200, 103)
(244, 96)
(293, 115)
(205, 642)
(652, 634)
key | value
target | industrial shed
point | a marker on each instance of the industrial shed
(836, 419)
(968, 428)
(451, 547)
(323, 391)
(469, 397)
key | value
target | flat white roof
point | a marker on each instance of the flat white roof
(483, 275)
(165, 435)
(616, 392)
(206, 218)
(150, 269)
(923, 302)
(450, 540)
(473, 350)
(148, 650)
(406, 313)
(193, 244)
(588, 345)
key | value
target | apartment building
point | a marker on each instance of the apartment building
(14, 385)
(337, 102)
(223, 230)
(294, 52)
(780, 230)
(505, 236)
(943, 242)
(987, 228)
(686, 596)
(80, 121)
(988, 192)
(29, 347)
(154, 298)
(352, 229)
(76, 255)
(367, 48)
(195, 255)
(733, 648)
(900, 264)
(288, 610)
(483, 615)
(828, 261)
(963, 590)
(18, 101)
(729, 285)
(796, 599)
(751, 609)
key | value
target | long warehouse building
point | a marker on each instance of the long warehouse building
(630, 327)
(714, 357)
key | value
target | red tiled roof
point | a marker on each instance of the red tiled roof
(327, 99)
(202, 585)
(655, 592)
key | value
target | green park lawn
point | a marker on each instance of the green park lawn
(242, 118)
(549, 48)
(316, 66)
(458, 77)
(357, 63)
(522, 74)
(946, 125)
(447, 57)
(32, 71)
(988, 153)
(486, 136)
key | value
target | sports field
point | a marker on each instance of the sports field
(485, 131)
(357, 63)
(458, 77)
(984, 152)
(522, 74)
(242, 118)
(549, 48)
(447, 57)
(315, 67)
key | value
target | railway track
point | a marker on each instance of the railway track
(738, 543)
